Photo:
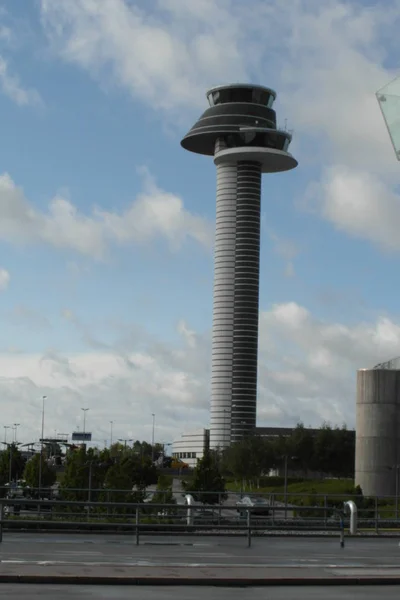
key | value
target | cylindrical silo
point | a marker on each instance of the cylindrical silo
(377, 431)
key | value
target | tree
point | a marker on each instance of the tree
(85, 469)
(302, 448)
(75, 477)
(326, 449)
(116, 481)
(207, 485)
(31, 472)
(17, 464)
(145, 450)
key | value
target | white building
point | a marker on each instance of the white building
(189, 447)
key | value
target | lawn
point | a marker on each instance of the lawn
(275, 485)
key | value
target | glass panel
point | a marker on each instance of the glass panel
(389, 102)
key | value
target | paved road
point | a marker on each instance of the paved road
(196, 551)
(50, 592)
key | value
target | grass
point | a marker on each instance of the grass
(323, 486)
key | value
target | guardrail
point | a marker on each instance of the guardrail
(145, 518)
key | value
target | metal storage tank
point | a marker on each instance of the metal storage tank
(378, 429)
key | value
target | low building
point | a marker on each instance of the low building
(189, 447)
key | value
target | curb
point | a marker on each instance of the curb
(268, 534)
(202, 581)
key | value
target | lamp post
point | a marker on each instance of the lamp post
(286, 484)
(10, 449)
(16, 425)
(397, 467)
(111, 433)
(286, 457)
(125, 441)
(5, 432)
(84, 420)
(152, 438)
(41, 447)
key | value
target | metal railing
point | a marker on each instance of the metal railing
(143, 518)
(296, 511)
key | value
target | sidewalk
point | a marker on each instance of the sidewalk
(215, 576)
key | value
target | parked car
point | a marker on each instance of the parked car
(257, 506)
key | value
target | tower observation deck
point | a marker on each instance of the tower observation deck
(239, 131)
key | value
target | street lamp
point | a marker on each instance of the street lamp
(396, 468)
(286, 457)
(5, 432)
(152, 438)
(84, 420)
(125, 441)
(16, 425)
(111, 428)
(41, 446)
(10, 447)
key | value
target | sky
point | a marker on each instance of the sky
(107, 224)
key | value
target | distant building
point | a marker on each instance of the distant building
(190, 446)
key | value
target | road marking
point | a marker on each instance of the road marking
(149, 563)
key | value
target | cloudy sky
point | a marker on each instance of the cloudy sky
(106, 224)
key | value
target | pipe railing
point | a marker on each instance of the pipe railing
(193, 513)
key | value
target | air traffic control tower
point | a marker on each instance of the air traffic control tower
(239, 131)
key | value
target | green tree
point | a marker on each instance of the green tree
(84, 469)
(302, 448)
(345, 448)
(144, 450)
(31, 472)
(17, 464)
(326, 449)
(118, 484)
(207, 485)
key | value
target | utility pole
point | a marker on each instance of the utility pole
(41, 447)
(111, 433)
(125, 441)
(10, 449)
(84, 419)
(5, 432)
(16, 425)
(152, 438)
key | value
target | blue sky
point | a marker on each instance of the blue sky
(106, 223)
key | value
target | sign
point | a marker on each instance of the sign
(79, 436)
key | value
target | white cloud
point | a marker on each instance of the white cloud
(11, 86)
(4, 279)
(326, 59)
(358, 203)
(306, 372)
(161, 58)
(154, 214)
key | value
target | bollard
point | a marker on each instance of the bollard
(351, 507)
(137, 526)
(341, 532)
(189, 501)
(248, 528)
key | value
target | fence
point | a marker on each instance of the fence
(310, 512)
(137, 518)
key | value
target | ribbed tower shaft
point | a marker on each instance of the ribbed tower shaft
(236, 301)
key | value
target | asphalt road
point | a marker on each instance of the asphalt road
(50, 592)
(199, 551)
